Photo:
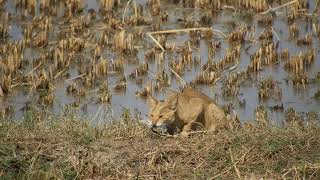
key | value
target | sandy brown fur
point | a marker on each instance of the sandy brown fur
(186, 110)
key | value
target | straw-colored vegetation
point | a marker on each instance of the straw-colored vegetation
(84, 49)
(43, 147)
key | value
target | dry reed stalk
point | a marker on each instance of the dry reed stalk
(181, 30)
(220, 174)
(125, 10)
(1, 92)
(60, 73)
(93, 91)
(75, 77)
(234, 164)
(178, 30)
(278, 7)
(182, 81)
(156, 77)
(33, 69)
(20, 84)
(149, 34)
(274, 32)
(234, 66)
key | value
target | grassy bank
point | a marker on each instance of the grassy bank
(47, 147)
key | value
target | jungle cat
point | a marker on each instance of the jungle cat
(185, 111)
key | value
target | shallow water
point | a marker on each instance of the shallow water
(300, 99)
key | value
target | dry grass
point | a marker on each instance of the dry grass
(40, 147)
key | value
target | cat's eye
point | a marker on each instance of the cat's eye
(160, 117)
(151, 115)
(172, 108)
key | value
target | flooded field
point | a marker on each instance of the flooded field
(99, 58)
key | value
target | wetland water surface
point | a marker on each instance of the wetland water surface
(96, 57)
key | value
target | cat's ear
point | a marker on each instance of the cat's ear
(151, 101)
(172, 101)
